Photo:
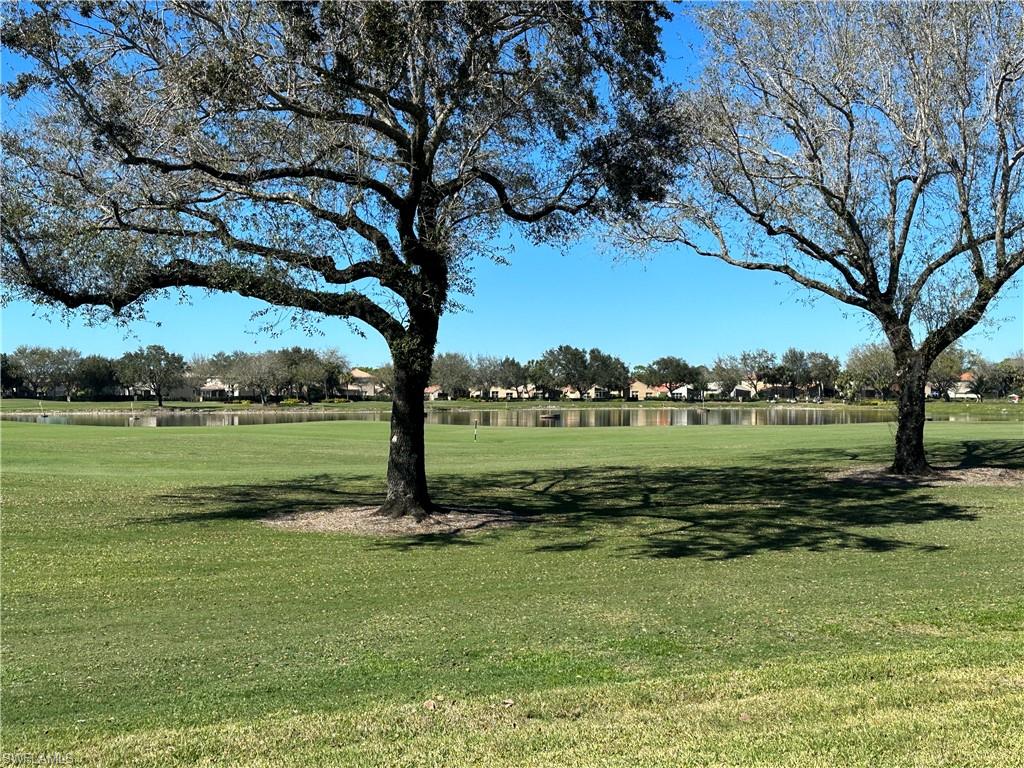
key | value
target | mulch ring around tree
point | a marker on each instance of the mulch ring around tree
(880, 475)
(364, 521)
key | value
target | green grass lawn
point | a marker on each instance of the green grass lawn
(689, 596)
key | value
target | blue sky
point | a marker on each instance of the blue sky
(675, 303)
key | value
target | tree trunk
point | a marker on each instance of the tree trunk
(160, 398)
(910, 458)
(407, 494)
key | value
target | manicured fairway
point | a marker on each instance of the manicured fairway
(688, 596)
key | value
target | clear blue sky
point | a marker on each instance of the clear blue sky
(673, 304)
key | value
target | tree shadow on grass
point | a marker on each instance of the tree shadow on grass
(716, 513)
(970, 454)
(960, 454)
(787, 502)
(711, 513)
(259, 500)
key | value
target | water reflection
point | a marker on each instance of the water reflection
(664, 417)
(199, 419)
(515, 417)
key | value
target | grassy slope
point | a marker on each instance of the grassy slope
(686, 597)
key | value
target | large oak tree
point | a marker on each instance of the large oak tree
(872, 152)
(340, 159)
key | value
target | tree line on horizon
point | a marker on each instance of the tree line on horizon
(297, 372)
(309, 374)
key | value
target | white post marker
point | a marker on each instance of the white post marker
(476, 423)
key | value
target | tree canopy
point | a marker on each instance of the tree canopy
(871, 366)
(151, 367)
(339, 159)
(290, 151)
(871, 152)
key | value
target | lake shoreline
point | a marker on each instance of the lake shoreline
(650, 414)
(55, 407)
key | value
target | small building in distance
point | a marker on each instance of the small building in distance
(964, 389)
(363, 385)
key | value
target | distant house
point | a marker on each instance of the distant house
(433, 392)
(215, 389)
(742, 391)
(686, 392)
(571, 393)
(531, 392)
(501, 393)
(537, 392)
(363, 384)
(962, 390)
(748, 390)
(640, 391)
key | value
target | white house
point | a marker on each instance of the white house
(962, 390)
(685, 392)
(215, 389)
(744, 390)
(503, 393)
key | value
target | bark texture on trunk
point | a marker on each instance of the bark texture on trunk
(911, 374)
(407, 494)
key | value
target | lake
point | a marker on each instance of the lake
(516, 417)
